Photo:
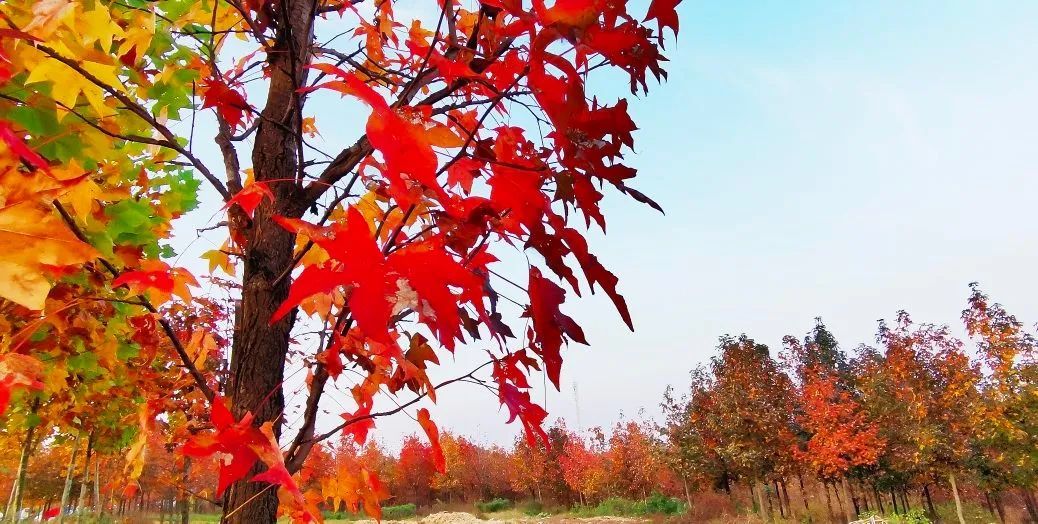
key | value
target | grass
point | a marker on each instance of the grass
(656, 504)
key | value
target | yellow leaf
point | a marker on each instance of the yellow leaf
(54, 379)
(97, 26)
(33, 240)
(218, 259)
(139, 39)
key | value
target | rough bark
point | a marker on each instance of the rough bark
(260, 347)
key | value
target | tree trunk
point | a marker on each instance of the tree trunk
(803, 495)
(14, 504)
(929, 502)
(260, 347)
(688, 495)
(864, 496)
(893, 500)
(66, 492)
(183, 503)
(84, 479)
(785, 498)
(996, 497)
(904, 501)
(958, 501)
(879, 499)
(1029, 503)
(767, 496)
(848, 508)
(828, 502)
(99, 507)
(762, 511)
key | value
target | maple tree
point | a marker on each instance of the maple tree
(98, 105)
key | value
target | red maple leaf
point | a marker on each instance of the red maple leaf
(360, 427)
(250, 196)
(433, 433)
(18, 147)
(550, 324)
(235, 438)
(228, 102)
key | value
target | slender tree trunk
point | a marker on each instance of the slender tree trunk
(688, 495)
(260, 347)
(929, 502)
(958, 501)
(893, 500)
(762, 511)
(803, 495)
(996, 497)
(848, 504)
(905, 501)
(767, 497)
(879, 499)
(84, 478)
(853, 496)
(99, 506)
(785, 497)
(828, 502)
(14, 505)
(1030, 504)
(66, 492)
(184, 502)
(864, 496)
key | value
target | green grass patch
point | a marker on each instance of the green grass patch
(493, 506)
(656, 504)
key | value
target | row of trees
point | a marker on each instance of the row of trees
(918, 410)
(920, 416)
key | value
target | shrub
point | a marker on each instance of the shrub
(533, 508)
(402, 511)
(914, 516)
(659, 504)
(656, 504)
(495, 505)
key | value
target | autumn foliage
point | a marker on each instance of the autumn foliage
(388, 250)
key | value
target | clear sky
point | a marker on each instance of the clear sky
(834, 159)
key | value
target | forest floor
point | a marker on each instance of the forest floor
(458, 517)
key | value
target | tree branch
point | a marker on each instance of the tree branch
(178, 346)
(137, 109)
(295, 459)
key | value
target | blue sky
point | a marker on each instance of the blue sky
(834, 159)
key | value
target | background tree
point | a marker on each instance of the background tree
(1007, 453)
